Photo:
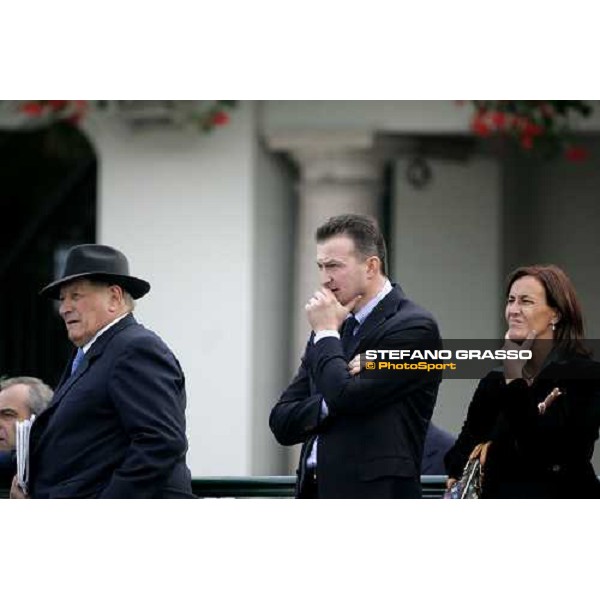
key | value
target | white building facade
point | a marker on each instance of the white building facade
(222, 225)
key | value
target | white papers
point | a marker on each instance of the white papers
(22, 442)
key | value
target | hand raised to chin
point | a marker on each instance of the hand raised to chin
(324, 311)
(513, 367)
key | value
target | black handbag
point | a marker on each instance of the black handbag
(468, 487)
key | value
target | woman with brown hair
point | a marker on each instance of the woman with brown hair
(533, 424)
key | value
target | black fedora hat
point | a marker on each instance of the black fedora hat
(98, 263)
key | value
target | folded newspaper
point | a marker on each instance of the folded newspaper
(22, 442)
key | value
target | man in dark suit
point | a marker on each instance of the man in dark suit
(437, 443)
(116, 425)
(362, 437)
(20, 399)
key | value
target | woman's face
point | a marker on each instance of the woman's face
(527, 310)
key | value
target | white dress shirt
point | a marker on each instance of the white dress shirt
(99, 333)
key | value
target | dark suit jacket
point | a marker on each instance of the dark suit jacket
(116, 427)
(437, 444)
(375, 428)
(533, 455)
(8, 468)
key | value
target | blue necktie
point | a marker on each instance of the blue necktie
(77, 360)
(348, 331)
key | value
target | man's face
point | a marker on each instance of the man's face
(340, 269)
(86, 308)
(13, 408)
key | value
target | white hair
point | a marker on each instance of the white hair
(39, 395)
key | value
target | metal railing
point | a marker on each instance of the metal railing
(272, 487)
(282, 487)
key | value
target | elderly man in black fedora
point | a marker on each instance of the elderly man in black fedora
(116, 425)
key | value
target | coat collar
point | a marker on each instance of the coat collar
(97, 348)
(383, 311)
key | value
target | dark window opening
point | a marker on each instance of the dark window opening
(48, 201)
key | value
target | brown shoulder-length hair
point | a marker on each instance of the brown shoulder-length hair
(560, 295)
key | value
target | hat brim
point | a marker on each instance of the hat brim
(136, 287)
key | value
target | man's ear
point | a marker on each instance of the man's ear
(116, 297)
(373, 266)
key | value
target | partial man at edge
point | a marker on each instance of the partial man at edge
(20, 399)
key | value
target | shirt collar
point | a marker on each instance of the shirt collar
(104, 329)
(367, 309)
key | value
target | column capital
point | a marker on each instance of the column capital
(330, 156)
(320, 141)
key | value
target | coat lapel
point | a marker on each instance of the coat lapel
(67, 381)
(381, 313)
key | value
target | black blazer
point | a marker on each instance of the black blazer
(437, 443)
(375, 429)
(116, 428)
(533, 455)
(8, 467)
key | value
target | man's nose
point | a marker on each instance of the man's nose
(64, 307)
(324, 277)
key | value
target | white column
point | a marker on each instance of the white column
(338, 173)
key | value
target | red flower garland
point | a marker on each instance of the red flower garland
(536, 124)
(73, 111)
(61, 110)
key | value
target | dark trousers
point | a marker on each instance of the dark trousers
(386, 487)
(309, 489)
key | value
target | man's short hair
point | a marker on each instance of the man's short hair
(364, 232)
(39, 395)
